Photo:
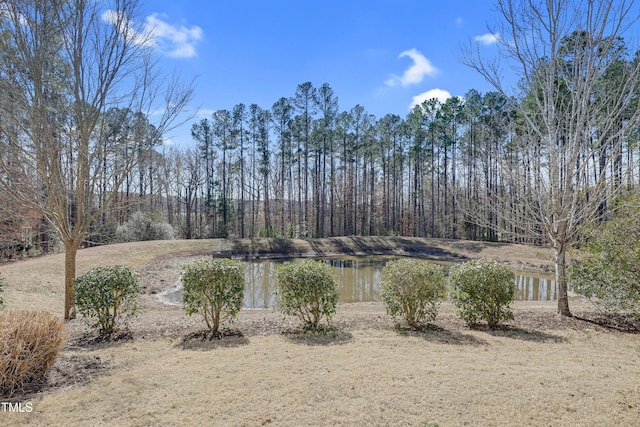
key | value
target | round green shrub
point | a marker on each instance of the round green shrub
(482, 290)
(307, 289)
(213, 288)
(107, 297)
(413, 289)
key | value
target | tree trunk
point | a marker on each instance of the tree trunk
(561, 280)
(70, 252)
(267, 208)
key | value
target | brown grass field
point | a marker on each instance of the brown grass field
(536, 371)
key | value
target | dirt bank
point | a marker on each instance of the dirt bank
(521, 257)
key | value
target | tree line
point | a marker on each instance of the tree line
(452, 169)
(303, 169)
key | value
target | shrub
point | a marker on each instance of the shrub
(307, 289)
(612, 287)
(144, 226)
(31, 342)
(609, 272)
(482, 290)
(412, 289)
(214, 288)
(107, 297)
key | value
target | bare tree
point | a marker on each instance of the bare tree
(190, 186)
(571, 118)
(63, 64)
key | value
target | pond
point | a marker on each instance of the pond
(359, 279)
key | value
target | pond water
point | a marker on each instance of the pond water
(359, 279)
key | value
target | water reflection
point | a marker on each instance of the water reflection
(359, 280)
(533, 287)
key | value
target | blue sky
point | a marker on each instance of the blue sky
(382, 54)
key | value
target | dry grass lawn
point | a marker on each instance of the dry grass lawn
(538, 371)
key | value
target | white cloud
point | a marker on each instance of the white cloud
(488, 38)
(439, 94)
(421, 67)
(177, 42)
(126, 28)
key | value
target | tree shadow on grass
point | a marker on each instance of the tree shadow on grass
(344, 249)
(437, 334)
(315, 245)
(424, 250)
(205, 340)
(281, 246)
(508, 331)
(616, 322)
(323, 335)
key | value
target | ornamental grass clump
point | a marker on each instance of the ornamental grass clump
(213, 288)
(482, 290)
(107, 297)
(307, 289)
(413, 290)
(31, 342)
